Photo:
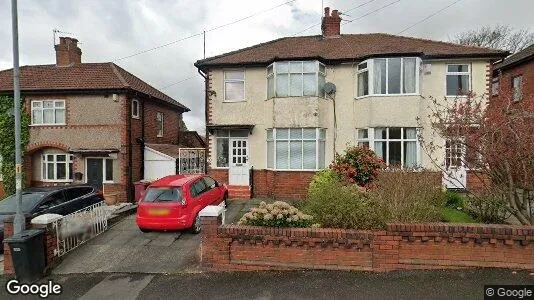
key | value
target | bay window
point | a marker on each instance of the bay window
(458, 78)
(57, 167)
(388, 76)
(48, 112)
(296, 148)
(295, 79)
(397, 146)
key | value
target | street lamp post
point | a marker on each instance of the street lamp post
(19, 221)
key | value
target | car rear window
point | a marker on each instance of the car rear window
(163, 194)
(29, 200)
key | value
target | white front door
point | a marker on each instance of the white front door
(238, 172)
(455, 174)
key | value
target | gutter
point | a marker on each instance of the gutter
(142, 108)
(129, 184)
(206, 100)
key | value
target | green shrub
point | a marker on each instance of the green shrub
(357, 165)
(490, 209)
(277, 214)
(454, 200)
(406, 196)
(399, 196)
(338, 205)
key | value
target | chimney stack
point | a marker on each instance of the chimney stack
(331, 23)
(67, 52)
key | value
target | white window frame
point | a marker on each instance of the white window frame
(519, 88)
(69, 160)
(370, 69)
(360, 71)
(160, 131)
(318, 139)
(227, 136)
(42, 109)
(1, 165)
(371, 140)
(468, 73)
(135, 104)
(104, 159)
(234, 80)
(317, 73)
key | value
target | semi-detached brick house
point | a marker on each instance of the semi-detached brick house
(266, 106)
(92, 119)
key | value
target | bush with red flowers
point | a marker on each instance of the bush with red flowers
(357, 165)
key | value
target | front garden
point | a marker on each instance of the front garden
(355, 192)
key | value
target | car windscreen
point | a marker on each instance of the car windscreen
(163, 194)
(29, 201)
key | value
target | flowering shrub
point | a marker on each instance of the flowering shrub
(277, 214)
(357, 165)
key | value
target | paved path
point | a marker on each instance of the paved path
(465, 284)
(124, 248)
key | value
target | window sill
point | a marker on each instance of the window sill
(136, 117)
(387, 95)
(294, 170)
(317, 97)
(56, 181)
(159, 136)
(47, 125)
(236, 101)
(456, 96)
(221, 168)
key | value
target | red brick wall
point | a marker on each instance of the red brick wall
(171, 124)
(400, 246)
(221, 175)
(281, 184)
(505, 84)
(117, 189)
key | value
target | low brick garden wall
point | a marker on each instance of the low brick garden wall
(400, 246)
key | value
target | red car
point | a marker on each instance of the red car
(173, 202)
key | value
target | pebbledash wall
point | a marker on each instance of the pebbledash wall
(400, 246)
(364, 112)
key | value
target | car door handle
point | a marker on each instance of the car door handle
(238, 165)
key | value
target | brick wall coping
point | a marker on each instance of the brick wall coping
(405, 230)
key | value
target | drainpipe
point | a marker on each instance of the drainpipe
(142, 110)
(206, 100)
(129, 185)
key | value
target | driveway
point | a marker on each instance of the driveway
(125, 249)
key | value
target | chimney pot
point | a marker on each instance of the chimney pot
(67, 52)
(331, 23)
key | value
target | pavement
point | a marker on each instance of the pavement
(451, 284)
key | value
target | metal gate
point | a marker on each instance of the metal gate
(79, 227)
(191, 161)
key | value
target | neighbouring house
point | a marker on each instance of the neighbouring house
(513, 81)
(90, 121)
(271, 123)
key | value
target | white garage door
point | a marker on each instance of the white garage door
(158, 165)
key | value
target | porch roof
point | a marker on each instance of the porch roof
(93, 151)
(212, 128)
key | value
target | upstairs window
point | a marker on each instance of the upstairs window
(234, 85)
(516, 87)
(295, 79)
(159, 124)
(388, 76)
(135, 109)
(458, 80)
(48, 112)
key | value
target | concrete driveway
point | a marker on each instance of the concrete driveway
(124, 248)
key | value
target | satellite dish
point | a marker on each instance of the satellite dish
(329, 88)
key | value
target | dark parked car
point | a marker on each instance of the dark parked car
(61, 200)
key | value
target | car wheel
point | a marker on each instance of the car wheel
(144, 230)
(196, 225)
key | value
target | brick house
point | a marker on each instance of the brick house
(513, 81)
(267, 109)
(90, 121)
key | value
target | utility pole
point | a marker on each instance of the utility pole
(204, 44)
(19, 221)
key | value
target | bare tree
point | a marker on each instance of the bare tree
(497, 37)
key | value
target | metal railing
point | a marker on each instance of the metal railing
(191, 161)
(80, 226)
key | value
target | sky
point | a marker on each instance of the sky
(110, 30)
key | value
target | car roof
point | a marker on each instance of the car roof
(48, 189)
(175, 180)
